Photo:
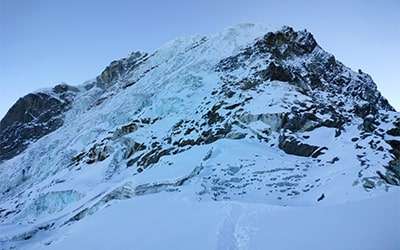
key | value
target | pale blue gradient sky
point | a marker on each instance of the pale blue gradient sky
(43, 42)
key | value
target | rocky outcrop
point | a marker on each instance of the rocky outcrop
(32, 117)
(126, 129)
(97, 153)
(286, 43)
(291, 145)
(393, 138)
(395, 131)
(283, 44)
(392, 174)
(116, 69)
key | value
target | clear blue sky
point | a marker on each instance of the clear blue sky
(43, 42)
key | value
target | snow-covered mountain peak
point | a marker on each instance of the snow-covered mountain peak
(244, 115)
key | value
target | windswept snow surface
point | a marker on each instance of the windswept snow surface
(169, 221)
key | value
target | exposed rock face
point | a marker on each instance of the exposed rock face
(395, 131)
(32, 117)
(286, 43)
(291, 145)
(321, 71)
(117, 69)
(277, 72)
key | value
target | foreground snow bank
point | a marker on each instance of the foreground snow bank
(170, 221)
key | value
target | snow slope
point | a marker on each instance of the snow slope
(187, 224)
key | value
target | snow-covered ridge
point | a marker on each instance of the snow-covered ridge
(245, 115)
